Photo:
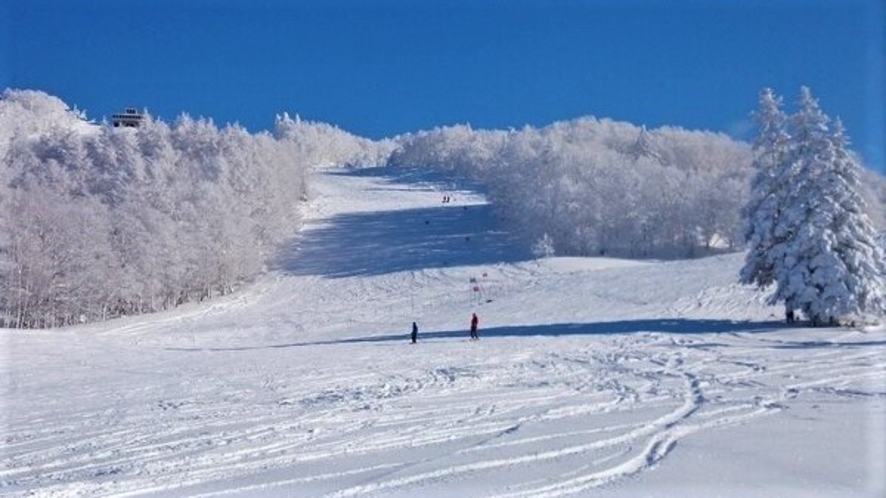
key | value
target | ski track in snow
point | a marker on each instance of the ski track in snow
(588, 374)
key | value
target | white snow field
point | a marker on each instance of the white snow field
(592, 377)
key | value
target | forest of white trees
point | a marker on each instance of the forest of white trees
(591, 187)
(97, 221)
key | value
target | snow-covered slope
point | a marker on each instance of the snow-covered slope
(592, 377)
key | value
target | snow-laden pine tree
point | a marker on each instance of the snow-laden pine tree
(859, 249)
(824, 258)
(762, 210)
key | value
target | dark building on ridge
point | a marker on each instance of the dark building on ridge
(129, 118)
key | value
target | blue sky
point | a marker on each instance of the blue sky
(380, 68)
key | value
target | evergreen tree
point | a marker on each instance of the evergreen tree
(762, 210)
(858, 247)
(823, 256)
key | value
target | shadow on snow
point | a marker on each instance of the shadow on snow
(376, 243)
(668, 326)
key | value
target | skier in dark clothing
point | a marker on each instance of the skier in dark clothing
(474, 322)
(414, 332)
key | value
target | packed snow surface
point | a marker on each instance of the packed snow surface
(592, 377)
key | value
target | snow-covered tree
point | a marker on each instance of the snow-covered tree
(762, 210)
(321, 144)
(823, 255)
(543, 247)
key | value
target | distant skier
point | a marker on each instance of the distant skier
(474, 322)
(414, 332)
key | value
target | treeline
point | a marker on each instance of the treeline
(98, 222)
(592, 187)
(322, 144)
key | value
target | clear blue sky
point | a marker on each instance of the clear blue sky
(379, 68)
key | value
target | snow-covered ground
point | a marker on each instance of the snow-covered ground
(592, 377)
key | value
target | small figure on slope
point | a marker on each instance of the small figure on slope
(474, 322)
(414, 332)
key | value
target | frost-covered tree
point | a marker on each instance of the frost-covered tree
(321, 144)
(824, 257)
(543, 247)
(770, 179)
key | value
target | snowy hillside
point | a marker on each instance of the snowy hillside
(592, 377)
